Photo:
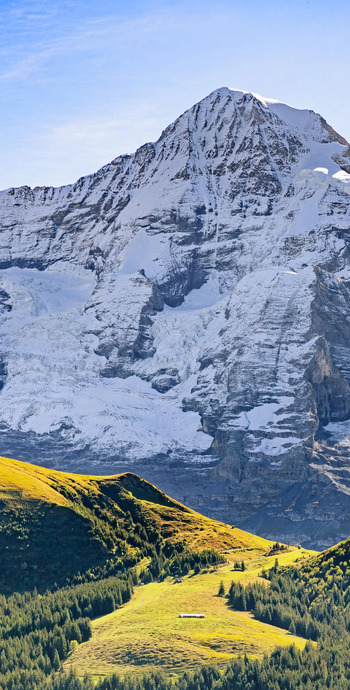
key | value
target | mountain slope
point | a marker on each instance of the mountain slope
(147, 633)
(184, 313)
(55, 526)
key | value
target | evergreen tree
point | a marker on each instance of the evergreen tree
(56, 660)
(221, 592)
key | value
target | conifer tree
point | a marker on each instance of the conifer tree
(56, 660)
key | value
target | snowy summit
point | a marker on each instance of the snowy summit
(184, 312)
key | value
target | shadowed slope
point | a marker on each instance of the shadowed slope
(55, 525)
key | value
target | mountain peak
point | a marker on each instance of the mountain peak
(183, 313)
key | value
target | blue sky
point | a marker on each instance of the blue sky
(83, 81)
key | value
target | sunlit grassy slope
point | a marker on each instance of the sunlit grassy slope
(147, 633)
(54, 524)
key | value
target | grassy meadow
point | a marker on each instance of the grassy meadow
(147, 633)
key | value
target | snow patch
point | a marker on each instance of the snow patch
(147, 252)
(339, 432)
(264, 415)
(46, 292)
(206, 296)
(277, 445)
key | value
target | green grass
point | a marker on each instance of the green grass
(147, 633)
(55, 525)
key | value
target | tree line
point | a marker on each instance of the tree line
(37, 631)
(311, 600)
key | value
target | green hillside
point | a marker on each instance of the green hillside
(120, 560)
(56, 526)
(308, 601)
(147, 633)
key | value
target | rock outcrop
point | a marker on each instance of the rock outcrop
(185, 313)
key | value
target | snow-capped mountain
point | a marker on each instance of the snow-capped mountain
(185, 312)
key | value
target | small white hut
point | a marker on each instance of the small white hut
(191, 615)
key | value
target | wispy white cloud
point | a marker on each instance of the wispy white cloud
(82, 81)
(60, 154)
(91, 36)
(99, 133)
(20, 20)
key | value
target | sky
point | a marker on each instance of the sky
(83, 81)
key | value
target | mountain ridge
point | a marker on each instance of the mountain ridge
(200, 289)
(58, 527)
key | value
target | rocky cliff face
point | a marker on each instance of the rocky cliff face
(185, 313)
